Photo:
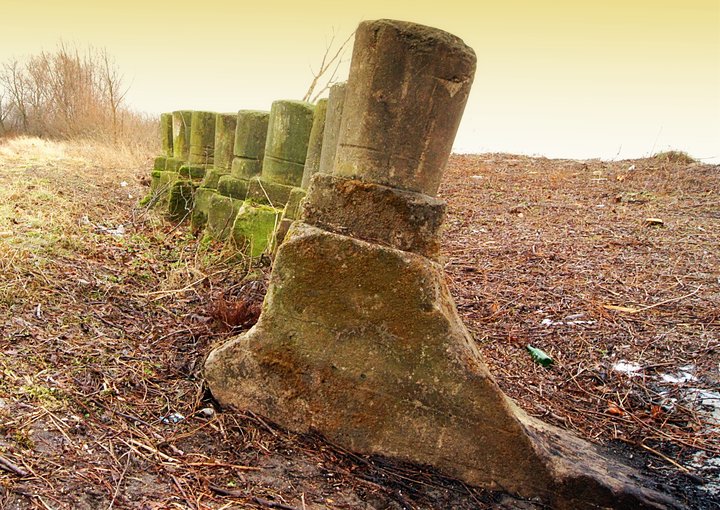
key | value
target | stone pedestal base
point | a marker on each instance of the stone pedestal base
(363, 344)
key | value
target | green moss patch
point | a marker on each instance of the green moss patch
(233, 187)
(180, 199)
(245, 168)
(254, 228)
(160, 162)
(194, 172)
(201, 208)
(263, 192)
(221, 215)
(282, 171)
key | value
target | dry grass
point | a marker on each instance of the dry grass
(103, 331)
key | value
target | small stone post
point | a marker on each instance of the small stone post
(359, 338)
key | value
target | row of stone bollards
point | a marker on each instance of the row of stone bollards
(241, 177)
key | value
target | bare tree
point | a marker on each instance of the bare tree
(13, 80)
(326, 75)
(113, 87)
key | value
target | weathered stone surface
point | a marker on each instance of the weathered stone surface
(282, 172)
(363, 343)
(201, 208)
(230, 186)
(181, 121)
(336, 102)
(251, 133)
(293, 206)
(402, 219)
(191, 171)
(202, 138)
(160, 184)
(166, 134)
(222, 211)
(312, 159)
(173, 164)
(225, 125)
(159, 163)
(254, 228)
(212, 176)
(405, 95)
(264, 192)
(245, 168)
(180, 199)
(289, 129)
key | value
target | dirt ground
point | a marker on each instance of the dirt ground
(107, 313)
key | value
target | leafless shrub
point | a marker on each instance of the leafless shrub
(69, 93)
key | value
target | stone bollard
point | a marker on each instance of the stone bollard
(336, 103)
(250, 136)
(181, 122)
(314, 151)
(166, 134)
(359, 338)
(225, 126)
(202, 138)
(286, 146)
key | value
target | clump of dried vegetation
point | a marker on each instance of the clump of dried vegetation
(107, 313)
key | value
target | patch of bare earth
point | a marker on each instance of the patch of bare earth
(107, 313)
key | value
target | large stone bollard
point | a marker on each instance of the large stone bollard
(202, 138)
(336, 103)
(359, 338)
(166, 134)
(315, 142)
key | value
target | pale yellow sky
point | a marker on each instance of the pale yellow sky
(580, 79)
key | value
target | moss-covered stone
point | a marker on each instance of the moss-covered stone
(212, 176)
(166, 134)
(232, 187)
(222, 211)
(312, 159)
(194, 172)
(180, 199)
(264, 192)
(173, 164)
(254, 228)
(282, 172)
(225, 125)
(201, 208)
(181, 123)
(292, 208)
(159, 163)
(160, 183)
(289, 129)
(251, 133)
(202, 138)
(244, 168)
